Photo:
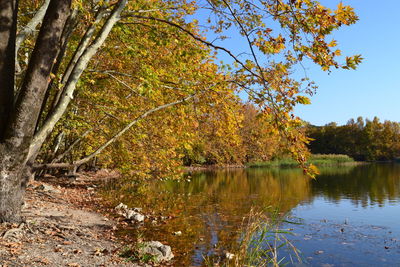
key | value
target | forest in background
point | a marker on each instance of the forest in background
(361, 139)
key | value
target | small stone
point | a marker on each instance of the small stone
(178, 233)
(130, 214)
(138, 217)
(157, 249)
(133, 215)
(121, 206)
(229, 255)
(47, 188)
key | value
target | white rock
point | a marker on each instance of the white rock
(157, 249)
(133, 215)
(121, 206)
(130, 214)
(138, 217)
(229, 255)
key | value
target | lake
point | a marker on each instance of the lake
(347, 216)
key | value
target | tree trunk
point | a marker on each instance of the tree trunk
(12, 183)
(18, 131)
(37, 77)
(8, 28)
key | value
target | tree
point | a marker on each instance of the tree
(18, 143)
(71, 34)
(260, 140)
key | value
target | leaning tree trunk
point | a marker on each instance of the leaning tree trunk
(16, 134)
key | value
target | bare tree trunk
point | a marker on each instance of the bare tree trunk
(8, 27)
(36, 80)
(12, 187)
(18, 132)
(68, 29)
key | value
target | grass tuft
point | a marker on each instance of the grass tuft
(261, 238)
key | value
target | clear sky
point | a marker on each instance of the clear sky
(374, 88)
(371, 90)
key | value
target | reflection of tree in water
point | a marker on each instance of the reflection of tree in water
(365, 185)
(209, 209)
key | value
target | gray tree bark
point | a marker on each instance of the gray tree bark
(18, 131)
(8, 27)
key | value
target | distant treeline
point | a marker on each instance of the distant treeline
(360, 139)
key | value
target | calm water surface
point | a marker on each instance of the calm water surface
(349, 216)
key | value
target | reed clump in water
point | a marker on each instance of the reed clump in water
(259, 243)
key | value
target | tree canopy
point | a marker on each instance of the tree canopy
(89, 82)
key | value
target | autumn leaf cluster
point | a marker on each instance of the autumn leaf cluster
(158, 74)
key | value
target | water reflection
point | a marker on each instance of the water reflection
(209, 208)
(372, 184)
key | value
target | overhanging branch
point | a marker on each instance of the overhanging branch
(111, 140)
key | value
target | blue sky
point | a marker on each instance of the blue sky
(374, 88)
(371, 90)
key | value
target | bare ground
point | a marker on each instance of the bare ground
(62, 227)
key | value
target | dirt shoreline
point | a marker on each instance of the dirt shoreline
(64, 226)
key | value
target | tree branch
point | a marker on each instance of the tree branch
(29, 29)
(197, 38)
(70, 85)
(111, 140)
